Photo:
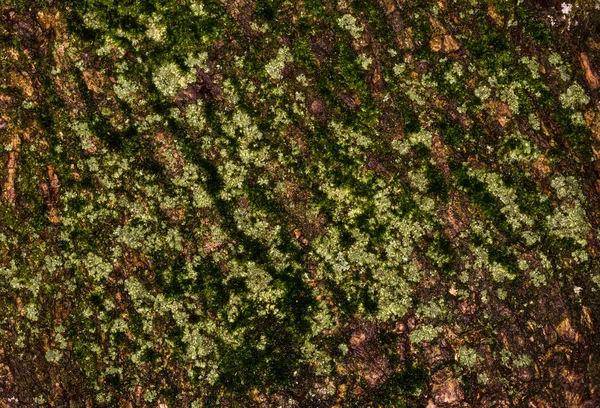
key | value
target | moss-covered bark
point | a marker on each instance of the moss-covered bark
(312, 203)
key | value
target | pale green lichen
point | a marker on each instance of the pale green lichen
(522, 360)
(534, 121)
(365, 61)
(508, 94)
(568, 219)
(31, 311)
(399, 69)
(155, 30)
(197, 8)
(454, 74)
(425, 333)
(403, 146)
(348, 22)
(169, 79)
(150, 395)
(467, 357)
(483, 92)
(198, 60)
(53, 356)
(532, 64)
(506, 195)
(574, 97)
(97, 268)
(556, 60)
(275, 67)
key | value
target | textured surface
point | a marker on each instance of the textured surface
(304, 203)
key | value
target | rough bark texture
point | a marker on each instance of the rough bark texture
(263, 203)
